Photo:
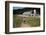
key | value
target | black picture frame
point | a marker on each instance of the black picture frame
(7, 16)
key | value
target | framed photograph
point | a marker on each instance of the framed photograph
(24, 17)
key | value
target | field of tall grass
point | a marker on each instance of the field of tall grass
(33, 21)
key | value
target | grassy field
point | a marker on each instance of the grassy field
(33, 21)
(17, 21)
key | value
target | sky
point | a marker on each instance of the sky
(18, 8)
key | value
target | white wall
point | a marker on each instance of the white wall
(2, 17)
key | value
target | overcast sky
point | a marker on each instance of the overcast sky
(15, 8)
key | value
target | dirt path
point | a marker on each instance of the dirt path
(25, 25)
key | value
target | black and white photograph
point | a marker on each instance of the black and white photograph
(24, 17)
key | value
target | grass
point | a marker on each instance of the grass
(17, 21)
(33, 21)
